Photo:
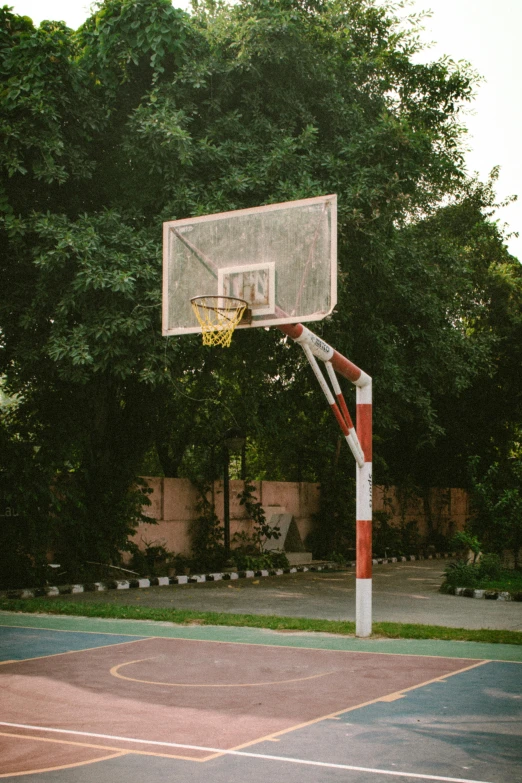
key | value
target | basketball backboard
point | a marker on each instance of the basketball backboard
(280, 258)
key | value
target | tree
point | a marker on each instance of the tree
(147, 113)
(451, 330)
(80, 352)
(497, 499)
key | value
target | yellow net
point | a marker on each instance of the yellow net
(218, 316)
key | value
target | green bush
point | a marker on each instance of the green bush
(249, 553)
(339, 559)
(207, 534)
(496, 494)
(460, 574)
(257, 562)
(386, 537)
(487, 570)
(463, 541)
(334, 528)
(156, 560)
(394, 540)
(262, 531)
(490, 567)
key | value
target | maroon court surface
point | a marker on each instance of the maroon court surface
(187, 699)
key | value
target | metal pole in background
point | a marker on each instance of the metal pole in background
(226, 500)
(234, 441)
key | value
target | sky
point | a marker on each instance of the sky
(486, 33)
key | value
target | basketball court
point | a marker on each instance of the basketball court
(171, 702)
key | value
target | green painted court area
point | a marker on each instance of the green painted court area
(91, 699)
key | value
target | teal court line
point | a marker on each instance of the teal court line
(239, 635)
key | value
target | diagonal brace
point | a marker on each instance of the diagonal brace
(340, 411)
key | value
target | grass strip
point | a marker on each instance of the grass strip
(411, 631)
(182, 617)
(175, 616)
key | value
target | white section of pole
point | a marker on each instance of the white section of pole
(355, 448)
(363, 380)
(363, 607)
(364, 390)
(364, 492)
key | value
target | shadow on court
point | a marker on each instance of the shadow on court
(82, 705)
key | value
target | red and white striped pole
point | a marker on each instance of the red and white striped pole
(363, 383)
(363, 556)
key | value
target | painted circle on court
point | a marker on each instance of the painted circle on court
(216, 672)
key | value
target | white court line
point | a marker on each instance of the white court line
(266, 757)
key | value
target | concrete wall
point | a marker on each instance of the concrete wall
(173, 505)
(448, 508)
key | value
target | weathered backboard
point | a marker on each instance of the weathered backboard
(280, 258)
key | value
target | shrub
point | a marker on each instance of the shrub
(256, 562)
(334, 528)
(497, 498)
(460, 574)
(262, 531)
(463, 541)
(208, 550)
(490, 567)
(394, 540)
(386, 537)
(156, 560)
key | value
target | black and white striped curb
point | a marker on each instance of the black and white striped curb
(158, 581)
(491, 595)
(164, 581)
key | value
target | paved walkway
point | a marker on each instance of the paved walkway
(402, 592)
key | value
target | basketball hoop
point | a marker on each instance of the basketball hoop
(218, 316)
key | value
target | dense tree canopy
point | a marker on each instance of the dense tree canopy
(147, 113)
